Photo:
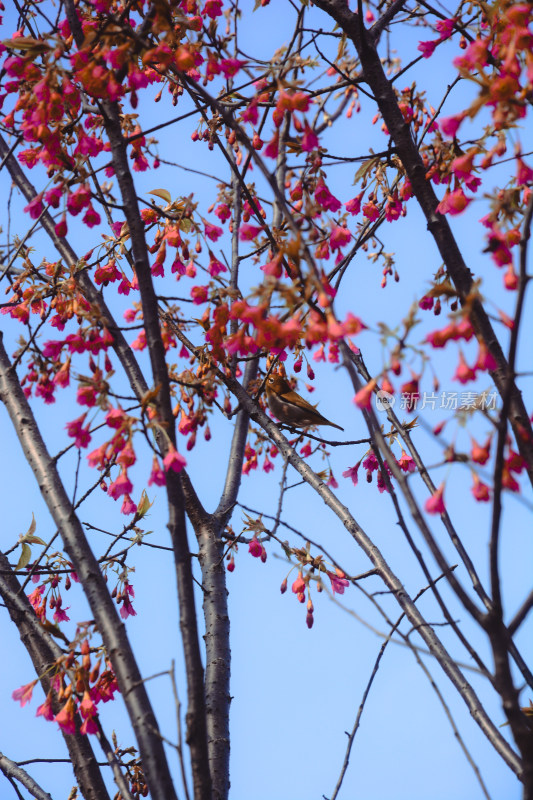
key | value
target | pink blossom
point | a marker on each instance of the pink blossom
(35, 206)
(52, 349)
(427, 48)
(128, 506)
(121, 485)
(65, 718)
(88, 726)
(324, 198)
(339, 582)
(223, 212)
(267, 465)
(309, 140)
(393, 209)
(339, 237)
(61, 227)
(115, 418)
(406, 462)
(60, 614)
(126, 609)
(157, 475)
(215, 267)
(445, 27)
(76, 431)
(45, 709)
(524, 174)
(86, 395)
(251, 113)
(363, 398)
(53, 196)
(371, 210)
(480, 490)
(453, 202)
(78, 200)
(199, 294)
(91, 217)
(255, 548)
(298, 587)
(485, 360)
(435, 503)
(174, 460)
(450, 125)
(426, 302)
(353, 206)
(332, 481)
(352, 473)
(464, 373)
(212, 232)
(24, 693)
(230, 66)
(248, 232)
(213, 8)
(272, 148)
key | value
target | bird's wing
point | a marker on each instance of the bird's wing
(296, 400)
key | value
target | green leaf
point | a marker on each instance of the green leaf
(25, 556)
(144, 505)
(164, 194)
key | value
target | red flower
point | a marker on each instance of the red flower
(298, 587)
(35, 206)
(353, 206)
(128, 506)
(248, 232)
(309, 140)
(61, 228)
(435, 503)
(464, 373)
(76, 431)
(24, 693)
(480, 454)
(212, 232)
(370, 210)
(480, 490)
(157, 475)
(339, 237)
(427, 48)
(324, 198)
(339, 582)
(255, 548)
(363, 398)
(453, 202)
(121, 485)
(174, 460)
(406, 462)
(45, 709)
(87, 706)
(65, 718)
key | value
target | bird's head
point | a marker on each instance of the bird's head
(277, 384)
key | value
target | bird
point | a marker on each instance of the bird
(289, 407)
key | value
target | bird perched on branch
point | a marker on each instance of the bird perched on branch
(290, 408)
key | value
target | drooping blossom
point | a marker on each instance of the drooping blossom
(65, 718)
(174, 460)
(435, 503)
(24, 693)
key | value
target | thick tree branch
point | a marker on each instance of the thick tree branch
(86, 566)
(438, 224)
(43, 651)
(391, 581)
